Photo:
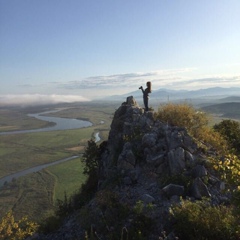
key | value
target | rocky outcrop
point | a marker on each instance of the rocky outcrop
(148, 163)
(139, 146)
(153, 162)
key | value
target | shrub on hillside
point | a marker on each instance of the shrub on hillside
(91, 158)
(182, 115)
(230, 130)
(16, 230)
(229, 168)
(199, 220)
(195, 122)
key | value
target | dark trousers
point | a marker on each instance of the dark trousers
(145, 101)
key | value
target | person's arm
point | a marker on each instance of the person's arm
(142, 89)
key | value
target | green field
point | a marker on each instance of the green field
(68, 177)
(35, 194)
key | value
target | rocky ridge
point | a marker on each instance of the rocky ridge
(146, 166)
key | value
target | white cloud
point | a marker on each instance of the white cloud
(100, 86)
(38, 99)
(126, 80)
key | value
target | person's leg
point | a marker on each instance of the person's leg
(146, 103)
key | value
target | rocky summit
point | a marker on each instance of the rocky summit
(146, 166)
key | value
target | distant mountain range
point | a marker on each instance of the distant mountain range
(232, 93)
(183, 94)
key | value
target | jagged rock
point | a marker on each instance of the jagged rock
(175, 199)
(199, 171)
(176, 160)
(156, 160)
(189, 159)
(199, 189)
(146, 198)
(175, 138)
(126, 159)
(173, 189)
(162, 169)
(149, 140)
(131, 101)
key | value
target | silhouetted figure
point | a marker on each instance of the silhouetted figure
(146, 94)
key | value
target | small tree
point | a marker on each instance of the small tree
(91, 158)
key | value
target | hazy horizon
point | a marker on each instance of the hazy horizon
(41, 99)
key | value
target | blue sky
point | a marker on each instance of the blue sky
(93, 48)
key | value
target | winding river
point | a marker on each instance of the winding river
(60, 124)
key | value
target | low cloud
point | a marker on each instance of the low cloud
(38, 99)
(101, 86)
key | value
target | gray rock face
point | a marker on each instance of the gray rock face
(173, 190)
(146, 198)
(126, 159)
(199, 171)
(138, 141)
(199, 189)
(176, 160)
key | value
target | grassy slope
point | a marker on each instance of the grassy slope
(68, 177)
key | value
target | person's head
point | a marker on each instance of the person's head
(149, 85)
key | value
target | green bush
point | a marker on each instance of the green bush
(200, 220)
(182, 115)
(195, 122)
(230, 130)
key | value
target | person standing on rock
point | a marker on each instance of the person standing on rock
(146, 94)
